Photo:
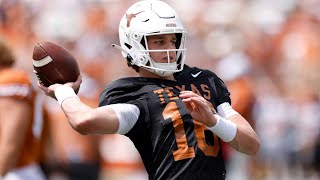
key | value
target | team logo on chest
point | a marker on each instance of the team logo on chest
(168, 92)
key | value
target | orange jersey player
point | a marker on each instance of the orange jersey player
(120, 159)
(20, 132)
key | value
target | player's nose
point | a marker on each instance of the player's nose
(170, 56)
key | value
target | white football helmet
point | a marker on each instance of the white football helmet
(147, 18)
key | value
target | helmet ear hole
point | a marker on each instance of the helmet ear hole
(128, 45)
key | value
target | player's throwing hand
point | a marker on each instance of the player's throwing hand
(49, 91)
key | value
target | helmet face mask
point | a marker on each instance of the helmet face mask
(150, 18)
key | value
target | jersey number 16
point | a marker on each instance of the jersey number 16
(184, 151)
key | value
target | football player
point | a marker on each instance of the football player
(175, 115)
(20, 131)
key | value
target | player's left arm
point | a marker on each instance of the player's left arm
(246, 139)
(229, 125)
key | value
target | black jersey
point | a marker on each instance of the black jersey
(171, 144)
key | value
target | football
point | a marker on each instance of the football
(54, 64)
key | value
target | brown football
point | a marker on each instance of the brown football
(54, 64)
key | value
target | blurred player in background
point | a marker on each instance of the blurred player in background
(120, 159)
(20, 122)
(170, 118)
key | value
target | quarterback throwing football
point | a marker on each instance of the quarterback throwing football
(175, 115)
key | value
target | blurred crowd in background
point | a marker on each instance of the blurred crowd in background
(267, 52)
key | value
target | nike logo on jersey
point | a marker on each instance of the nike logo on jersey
(196, 75)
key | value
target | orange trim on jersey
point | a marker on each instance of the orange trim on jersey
(15, 83)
